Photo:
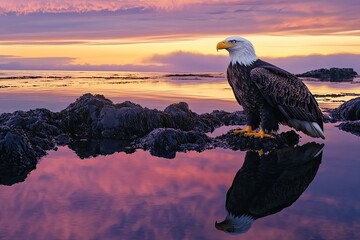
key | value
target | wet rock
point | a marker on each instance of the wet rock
(328, 118)
(165, 142)
(128, 104)
(24, 138)
(63, 139)
(336, 95)
(191, 75)
(40, 126)
(182, 116)
(351, 126)
(93, 125)
(129, 122)
(239, 142)
(332, 74)
(17, 155)
(349, 110)
(228, 119)
(97, 117)
(39, 121)
(81, 117)
(208, 122)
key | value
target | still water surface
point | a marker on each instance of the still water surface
(139, 196)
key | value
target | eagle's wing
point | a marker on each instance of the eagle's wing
(289, 94)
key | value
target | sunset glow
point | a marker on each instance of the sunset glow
(145, 119)
(137, 35)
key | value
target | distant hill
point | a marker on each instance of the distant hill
(332, 74)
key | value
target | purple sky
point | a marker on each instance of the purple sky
(55, 23)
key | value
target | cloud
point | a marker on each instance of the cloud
(8, 62)
(190, 62)
(182, 62)
(78, 20)
(60, 6)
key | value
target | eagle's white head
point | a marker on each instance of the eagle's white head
(240, 50)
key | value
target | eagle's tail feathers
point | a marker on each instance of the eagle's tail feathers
(310, 128)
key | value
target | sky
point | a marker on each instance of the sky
(176, 36)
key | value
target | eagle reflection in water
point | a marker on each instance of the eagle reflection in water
(268, 183)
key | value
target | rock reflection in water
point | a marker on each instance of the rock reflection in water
(100, 147)
(268, 183)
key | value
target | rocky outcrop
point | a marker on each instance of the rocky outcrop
(351, 126)
(234, 142)
(165, 142)
(348, 111)
(93, 125)
(18, 155)
(24, 138)
(97, 117)
(349, 114)
(332, 74)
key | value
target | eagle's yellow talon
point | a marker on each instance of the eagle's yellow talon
(248, 129)
(261, 152)
(260, 134)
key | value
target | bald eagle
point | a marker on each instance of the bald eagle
(269, 95)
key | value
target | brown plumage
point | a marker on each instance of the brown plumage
(270, 95)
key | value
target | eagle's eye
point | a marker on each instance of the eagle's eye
(232, 41)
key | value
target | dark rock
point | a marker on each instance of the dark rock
(128, 122)
(238, 142)
(24, 138)
(128, 104)
(40, 126)
(81, 117)
(336, 95)
(182, 116)
(349, 110)
(228, 119)
(351, 126)
(332, 74)
(165, 142)
(15, 144)
(350, 113)
(17, 155)
(63, 139)
(40, 121)
(191, 75)
(328, 119)
(93, 125)
(97, 117)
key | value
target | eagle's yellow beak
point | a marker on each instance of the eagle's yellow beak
(223, 45)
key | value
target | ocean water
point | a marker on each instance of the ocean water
(290, 193)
